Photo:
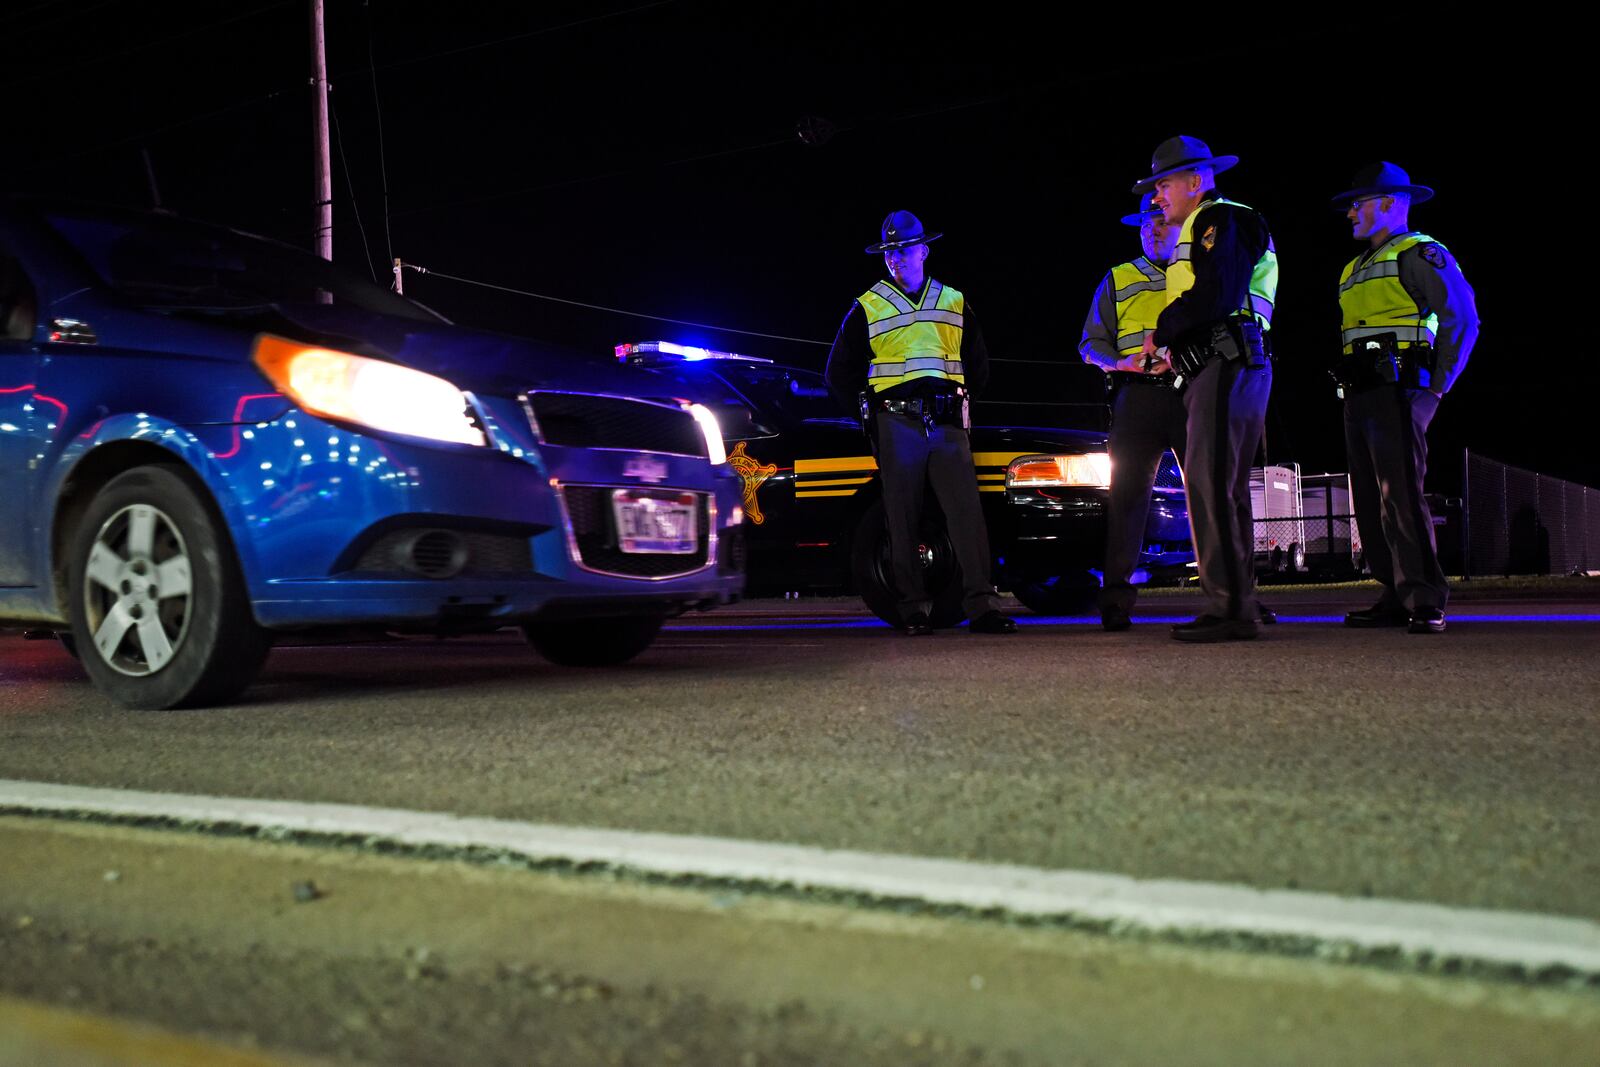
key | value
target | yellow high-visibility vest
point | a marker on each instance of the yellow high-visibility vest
(911, 341)
(1263, 278)
(1372, 301)
(1140, 291)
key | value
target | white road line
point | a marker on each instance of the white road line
(1474, 936)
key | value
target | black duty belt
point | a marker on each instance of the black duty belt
(1377, 361)
(1229, 339)
(1118, 378)
(941, 408)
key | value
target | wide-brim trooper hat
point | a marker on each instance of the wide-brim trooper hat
(902, 229)
(1181, 153)
(1381, 179)
(1146, 211)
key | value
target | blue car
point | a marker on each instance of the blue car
(208, 438)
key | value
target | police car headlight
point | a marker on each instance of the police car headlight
(1089, 470)
(715, 451)
(371, 392)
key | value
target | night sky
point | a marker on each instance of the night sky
(645, 156)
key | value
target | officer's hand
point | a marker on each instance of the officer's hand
(1133, 364)
(1149, 344)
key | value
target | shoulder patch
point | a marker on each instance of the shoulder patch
(1210, 238)
(1434, 255)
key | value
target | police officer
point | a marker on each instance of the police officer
(1220, 287)
(1147, 415)
(910, 350)
(1409, 323)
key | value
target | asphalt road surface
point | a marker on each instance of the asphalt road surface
(1454, 769)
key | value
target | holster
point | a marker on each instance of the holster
(1229, 339)
(944, 409)
(1377, 361)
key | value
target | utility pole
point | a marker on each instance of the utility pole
(319, 87)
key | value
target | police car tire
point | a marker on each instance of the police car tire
(869, 554)
(593, 642)
(219, 648)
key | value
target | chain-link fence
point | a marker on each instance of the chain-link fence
(1518, 521)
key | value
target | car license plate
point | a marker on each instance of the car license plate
(655, 522)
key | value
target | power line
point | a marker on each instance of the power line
(611, 310)
(496, 42)
(59, 71)
(156, 131)
(383, 166)
(242, 104)
(633, 168)
(22, 15)
(338, 139)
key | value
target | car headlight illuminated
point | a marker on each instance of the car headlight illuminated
(1090, 470)
(716, 452)
(371, 392)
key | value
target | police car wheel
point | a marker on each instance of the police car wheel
(160, 614)
(593, 642)
(874, 572)
(1060, 595)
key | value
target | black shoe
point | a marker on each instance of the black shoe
(1268, 616)
(1212, 628)
(1380, 614)
(1115, 619)
(1426, 621)
(917, 625)
(992, 622)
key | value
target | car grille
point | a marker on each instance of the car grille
(589, 420)
(594, 527)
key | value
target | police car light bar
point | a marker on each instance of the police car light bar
(647, 351)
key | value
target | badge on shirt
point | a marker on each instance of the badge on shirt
(1434, 255)
(1209, 240)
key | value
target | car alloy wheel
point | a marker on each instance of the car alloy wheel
(160, 614)
(136, 597)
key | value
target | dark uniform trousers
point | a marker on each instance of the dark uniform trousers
(1227, 406)
(1385, 433)
(1147, 419)
(911, 456)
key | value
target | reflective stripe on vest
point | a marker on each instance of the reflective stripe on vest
(1263, 277)
(1372, 301)
(1140, 289)
(910, 341)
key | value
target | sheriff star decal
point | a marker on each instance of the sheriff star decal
(753, 473)
(1434, 255)
(1210, 238)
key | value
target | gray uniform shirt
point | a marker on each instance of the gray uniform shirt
(1431, 276)
(1098, 345)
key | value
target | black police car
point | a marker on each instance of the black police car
(814, 519)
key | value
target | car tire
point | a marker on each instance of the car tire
(1297, 558)
(160, 615)
(874, 574)
(1061, 595)
(68, 642)
(593, 642)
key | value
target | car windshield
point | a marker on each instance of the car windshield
(793, 395)
(169, 263)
